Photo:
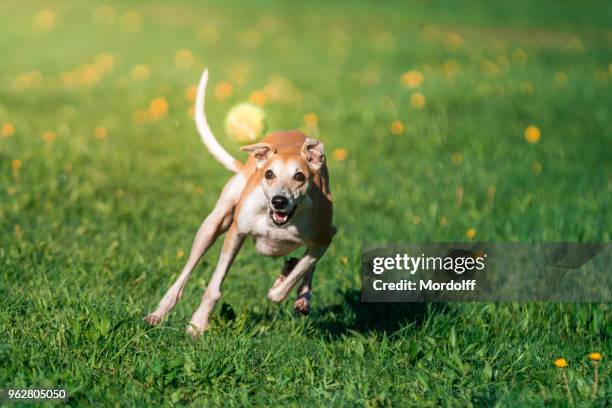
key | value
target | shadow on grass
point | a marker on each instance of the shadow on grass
(354, 316)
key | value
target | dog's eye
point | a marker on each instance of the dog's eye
(299, 176)
(269, 174)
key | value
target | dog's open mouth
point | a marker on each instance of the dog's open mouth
(280, 217)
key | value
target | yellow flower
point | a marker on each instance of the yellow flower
(339, 154)
(532, 134)
(344, 260)
(311, 119)
(104, 62)
(454, 40)
(258, 98)
(16, 164)
(104, 15)
(131, 22)
(397, 127)
(451, 68)
(561, 79)
(519, 57)
(140, 73)
(411, 79)
(470, 233)
(48, 137)
(158, 108)
(140, 116)
(561, 363)
(223, 90)
(456, 158)
(100, 132)
(595, 356)
(7, 129)
(190, 93)
(536, 167)
(183, 58)
(527, 88)
(44, 20)
(180, 253)
(417, 100)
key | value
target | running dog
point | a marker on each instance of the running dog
(280, 196)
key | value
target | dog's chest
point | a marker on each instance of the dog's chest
(274, 241)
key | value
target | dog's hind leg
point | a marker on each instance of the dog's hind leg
(217, 222)
(304, 293)
(232, 244)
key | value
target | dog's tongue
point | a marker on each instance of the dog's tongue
(279, 216)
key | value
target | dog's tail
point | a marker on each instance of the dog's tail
(206, 134)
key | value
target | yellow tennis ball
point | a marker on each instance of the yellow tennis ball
(245, 122)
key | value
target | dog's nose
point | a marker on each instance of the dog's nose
(279, 202)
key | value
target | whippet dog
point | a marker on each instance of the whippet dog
(280, 196)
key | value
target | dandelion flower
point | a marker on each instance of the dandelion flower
(595, 356)
(339, 154)
(532, 134)
(470, 233)
(180, 253)
(140, 73)
(131, 22)
(311, 119)
(457, 158)
(44, 20)
(411, 79)
(190, 93)
(561, 363)
(183, 58)
(16, 165)
(527, 88)
(158, 108)
(223, 90)
(417, 100)
(100, 133)
(104, 15)
(258, 98)
(7, 129)
(397, 127)
(344, 260)
(561, 79)
(519, 57)
(48, 137)
(536, 167)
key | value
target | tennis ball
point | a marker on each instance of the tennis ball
(245, 123)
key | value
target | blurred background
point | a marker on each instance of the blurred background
(442, 121)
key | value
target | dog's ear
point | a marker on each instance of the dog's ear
(313, 153)
(261, 152)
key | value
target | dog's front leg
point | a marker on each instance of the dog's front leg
(279, 292)
(232, 244)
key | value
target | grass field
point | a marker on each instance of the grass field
(443, 121)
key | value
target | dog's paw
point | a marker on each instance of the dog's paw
(194, 331)
(302, 306)
(276, 295)
(152, 319)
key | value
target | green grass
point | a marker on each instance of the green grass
(90, 229)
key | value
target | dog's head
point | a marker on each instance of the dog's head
(286, 177)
